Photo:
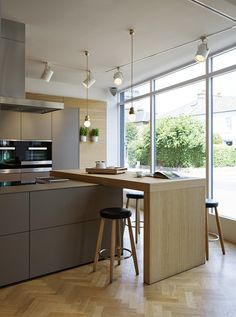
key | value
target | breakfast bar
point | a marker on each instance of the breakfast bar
(174, 219)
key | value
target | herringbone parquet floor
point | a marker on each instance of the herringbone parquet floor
(206, 291)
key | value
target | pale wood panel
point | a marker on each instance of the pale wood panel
(89, 151)
(10, 131)
(36, 126)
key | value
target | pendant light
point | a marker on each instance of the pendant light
(202, 50)
(87, 122)
(118, 77)
(132, 115)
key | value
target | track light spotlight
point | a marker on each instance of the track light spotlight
(89, 81)
(118, 77)
(202, 50)
(113, 91)
(47, 73)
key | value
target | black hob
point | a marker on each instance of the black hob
(16, 183)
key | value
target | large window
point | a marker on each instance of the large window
(180, 107)
(180, 129)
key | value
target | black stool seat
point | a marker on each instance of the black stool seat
(211, 203)
(115, 213)
(135, 195)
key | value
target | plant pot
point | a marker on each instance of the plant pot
(94, 138)
(83, 138)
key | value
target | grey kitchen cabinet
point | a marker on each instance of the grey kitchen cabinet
(64, 226)
(10, 125)
(65, 136)
(36, 126)
(70, 205)
(58, 248)
(14, 237)
(14, 264)
(14, 213)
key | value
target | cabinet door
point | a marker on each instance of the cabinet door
(14, 264)
(70, 205)
(58, 248)
(65, 135)
(14, 213)
(10, 122)
(36, 126)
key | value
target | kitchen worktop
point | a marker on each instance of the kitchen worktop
(40, 187)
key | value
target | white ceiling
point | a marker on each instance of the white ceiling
(59, 31)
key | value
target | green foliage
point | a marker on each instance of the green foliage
(224, 155)
(217, 139)
(131, 132)
(83, 131)
(180, 142)
(95, 132)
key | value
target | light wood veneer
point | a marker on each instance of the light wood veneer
(174, 220)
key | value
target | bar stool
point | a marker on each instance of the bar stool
(210, 203)
(136, 196)
(116, 215)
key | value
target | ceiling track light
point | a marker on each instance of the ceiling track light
(202, 50)
(118, 77)
(132, 115)
(47, 73)
(87, 122)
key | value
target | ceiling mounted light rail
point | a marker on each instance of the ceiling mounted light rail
(87, 122)
(118, 77)
(202, 50)
(47, 73)
(132, 115)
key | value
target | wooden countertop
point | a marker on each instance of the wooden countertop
(129, 180)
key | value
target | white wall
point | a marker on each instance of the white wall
(78, 91)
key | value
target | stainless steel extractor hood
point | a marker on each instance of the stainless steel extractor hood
(12, 72)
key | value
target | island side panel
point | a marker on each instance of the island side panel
(176, 240)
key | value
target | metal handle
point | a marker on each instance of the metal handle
(9, 148)
(37, 148)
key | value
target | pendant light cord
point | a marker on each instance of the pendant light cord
(131, 32)
(87, 92)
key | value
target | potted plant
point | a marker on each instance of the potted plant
(83, 134)
(94, 134)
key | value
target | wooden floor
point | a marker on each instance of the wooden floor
(209, 291)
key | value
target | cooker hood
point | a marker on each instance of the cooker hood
(12, 72)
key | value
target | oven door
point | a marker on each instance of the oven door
(9, 161)
(37, 156)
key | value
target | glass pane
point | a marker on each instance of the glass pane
(180, 75)
(137, 136)
(180, 130)
(224, 143)
(224, 60)
(138, 90)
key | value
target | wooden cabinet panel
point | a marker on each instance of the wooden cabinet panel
(14, 213)
(10, 125)
(14, 264)
(64, 206)
(36, 126)
(65, 135)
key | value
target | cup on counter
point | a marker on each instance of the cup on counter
(100, 164)
(139, 174)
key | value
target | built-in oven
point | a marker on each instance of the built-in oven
(25, 156)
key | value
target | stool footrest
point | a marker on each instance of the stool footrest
(215, 237)
(116, 257)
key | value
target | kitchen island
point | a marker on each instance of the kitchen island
(174, 222)
(45, 228)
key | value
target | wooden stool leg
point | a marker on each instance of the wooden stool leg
(127, 203)
(206, 234)
(136, 222)
(99, 242)
(219, 231)
(112, 248)
(119, 241)
(133, 247)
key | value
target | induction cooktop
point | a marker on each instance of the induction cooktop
(16, 183)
